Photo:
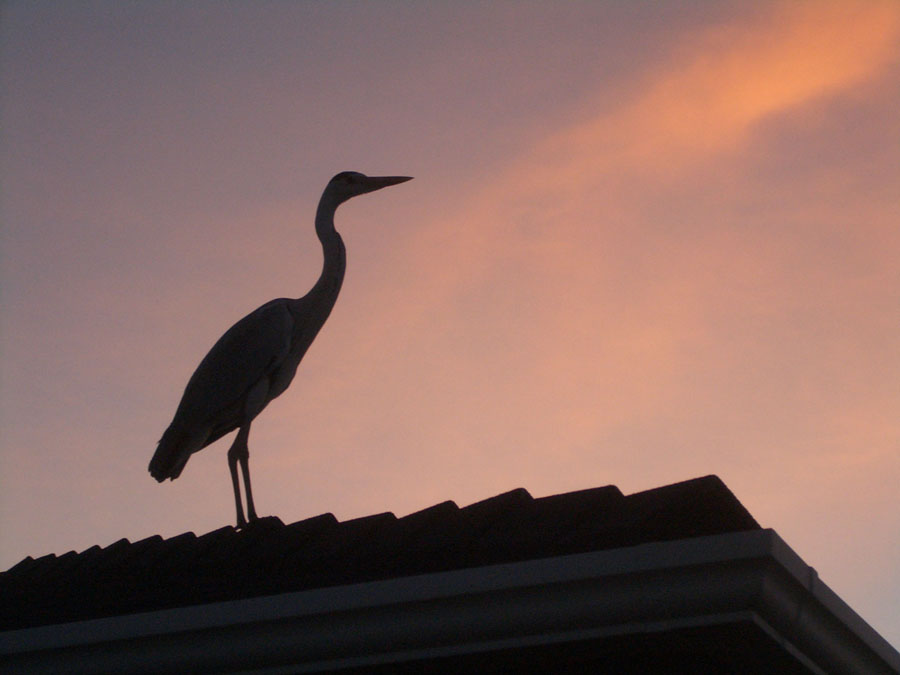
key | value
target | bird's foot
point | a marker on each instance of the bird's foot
(244, 524)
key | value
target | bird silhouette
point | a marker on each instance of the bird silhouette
(256, 359)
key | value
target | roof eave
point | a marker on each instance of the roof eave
(652, 587)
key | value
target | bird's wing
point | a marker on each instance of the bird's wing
(248, 352)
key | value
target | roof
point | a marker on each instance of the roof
(270, 557)
(679, 577)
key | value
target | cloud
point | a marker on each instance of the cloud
(706, 100)
(554, 311)
(720, 84)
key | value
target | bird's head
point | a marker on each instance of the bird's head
(349, 184)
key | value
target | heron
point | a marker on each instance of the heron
(256, 359)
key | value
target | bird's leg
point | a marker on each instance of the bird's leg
(236, 451)
(245, 469)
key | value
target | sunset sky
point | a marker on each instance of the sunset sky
(645, 242)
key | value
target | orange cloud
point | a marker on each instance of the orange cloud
(547, 314)
(703, 101)
(719, 85)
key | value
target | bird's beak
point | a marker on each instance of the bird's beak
(377, 182)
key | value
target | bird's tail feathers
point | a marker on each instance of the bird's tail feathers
(175, 448)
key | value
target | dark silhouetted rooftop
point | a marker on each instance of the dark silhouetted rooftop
(270, 557)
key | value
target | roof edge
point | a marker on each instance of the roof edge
(685, 582)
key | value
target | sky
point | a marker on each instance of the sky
(646, 242)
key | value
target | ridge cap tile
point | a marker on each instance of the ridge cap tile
(24, 564)
(482, 514)
(146, 541)
(167, 549)
(516, 495)
(225, 530)
(544, 527)
(384, 515)
(586, 494)
(298, 537)
(41, 566)
(112, 555)
(429, 515)
(349, 534)
(313, 523)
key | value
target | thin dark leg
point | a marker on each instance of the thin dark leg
(245, 469)
(244, 458)
(238, 450)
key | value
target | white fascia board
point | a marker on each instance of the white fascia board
(649, 587)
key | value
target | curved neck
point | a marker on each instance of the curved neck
(332, 248)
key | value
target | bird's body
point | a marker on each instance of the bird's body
(256, 359)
